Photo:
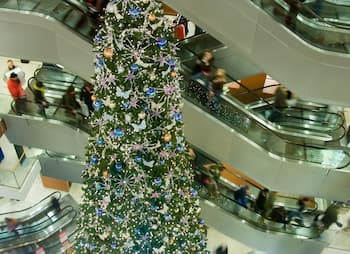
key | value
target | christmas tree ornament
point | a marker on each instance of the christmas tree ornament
(173, 74)
(134, 12)
(105, 173)
(97, 104)
(118, 167)
(93, 97)
(141, 115)
(151, 92)
(100, 141)
(167, 137)
(134, 67)
(162, 42)
(152, 17)
(118, 132)
(108, 53)
(112, 105)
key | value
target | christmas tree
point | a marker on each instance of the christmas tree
(138, 193)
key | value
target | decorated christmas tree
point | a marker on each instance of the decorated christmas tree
(139, 195)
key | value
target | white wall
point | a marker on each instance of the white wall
(311, 72)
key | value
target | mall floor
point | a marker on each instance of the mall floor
(340, 245)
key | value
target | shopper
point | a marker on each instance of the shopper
(70, 102)
(278, 214)
(39, 97)
(19, 96)
(12, 68)
(294, 8)
(329, 217)
(204, 62)
(11, 224)
(85, 96)
(241, 196)
(281, 102)
(261, 200)
(55, 204)
(216, 89)
(222, 249)
(269, 204)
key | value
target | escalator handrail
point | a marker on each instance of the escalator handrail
(72, 212)
(30, 207)
(46, 67)
(203, 170)
(67, 210)
(250, 91)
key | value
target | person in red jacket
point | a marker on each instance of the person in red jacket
(19, 96)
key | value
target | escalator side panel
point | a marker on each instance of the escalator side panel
(45, 40)
(49, 135)
(272, 243)
(282, 54)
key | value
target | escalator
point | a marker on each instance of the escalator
(30, 214)
(36, 231)
(307, 65)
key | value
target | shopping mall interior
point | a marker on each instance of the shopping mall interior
(269, 149)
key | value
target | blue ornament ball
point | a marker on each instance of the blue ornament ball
(118, 132)
(194, 193)
(99, 211)
(167, 217)
(98, 104)
(162, 42)
(184, 178)
(178, 116)
(118, 167)
(94, 159)
(138, 158)
(100, 141)
(113, 245)
(180, 147)
(154, 208)
(161, 161)
(93, 246)
(158, 181)
(151, 92)
(134, 12)
(168, 145)
(171, 63)
(125, 104)
(200, 221)
(134, 67)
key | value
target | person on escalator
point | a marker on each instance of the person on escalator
(216, 89)
(39, 97)
(291, 18)
(241, 196)
(85, 96)
(261, 200)
(55, 204)
(329, 217)
(204, 63)
(281, 102)
(19, 96)
(269, 204)
(278, 214)
(70, 102)
(11, 224)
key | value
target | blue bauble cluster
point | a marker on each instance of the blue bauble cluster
(113, 245)
(118, 167)
(125, 105)
(118, 133)
(162, 42)
(180, 147)
(99, 187)
(154, 208)
(93, 246)
(94, 159)
(134, 12)
(184, 178)
(134, 67)
(151, 92)
(200, 221)
(161, 162)
(168, 145)
(158, 181)
(98, 104)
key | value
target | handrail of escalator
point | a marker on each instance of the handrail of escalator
(71, 214)
(71, 237)
(277, 133)
(252, 92)
(62, 213)
(248, 181)
(260, 222)
(56, 193)
(49, 67)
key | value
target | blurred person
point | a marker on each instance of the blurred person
(222, 249)
(85, 96)
(70, 102)
(216, 89)
(241, 196)
(55, 204)
(39, 97)
(261, 200)
(279, 214)
(329, 217)
(11, 224)
(294, 8)
(281, 102)
(12, 68)
(269, 204)
(204, 62)
(19, 96)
